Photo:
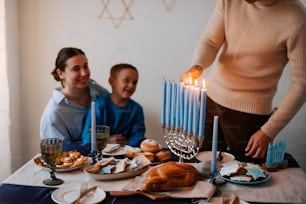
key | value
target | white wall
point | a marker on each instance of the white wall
(159, 43)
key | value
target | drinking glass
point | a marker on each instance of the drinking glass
(51, 150)
(102, 136)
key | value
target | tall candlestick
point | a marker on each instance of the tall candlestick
(163, 113)
(93, 126)
(213, 168)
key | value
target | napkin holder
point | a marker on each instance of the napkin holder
(276, 155)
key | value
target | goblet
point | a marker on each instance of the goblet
(51, 150)
(102, 136)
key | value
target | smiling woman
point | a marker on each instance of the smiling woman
(66, 110)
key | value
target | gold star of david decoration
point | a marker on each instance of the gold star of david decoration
(117, 12)
(169, 4)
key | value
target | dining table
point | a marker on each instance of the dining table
(25, 185)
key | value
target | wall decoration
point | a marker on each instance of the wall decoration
(169, 4)
(116, 11)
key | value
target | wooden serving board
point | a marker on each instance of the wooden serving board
(153, 196)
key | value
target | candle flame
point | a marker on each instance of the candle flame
(195, 82)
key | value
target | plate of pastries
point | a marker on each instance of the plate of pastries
(112, 168)
(243, 173)
(68, 161)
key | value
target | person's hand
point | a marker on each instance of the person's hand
(117, 139)
(194, 72)
(258, 145)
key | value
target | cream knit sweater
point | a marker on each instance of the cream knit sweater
(257, 41)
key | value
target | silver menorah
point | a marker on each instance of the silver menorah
(183, 145)
(183, 118)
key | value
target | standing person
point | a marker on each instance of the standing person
(66, 111)
(258, 38)
(117, 110)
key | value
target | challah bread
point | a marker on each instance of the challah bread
(169, 176)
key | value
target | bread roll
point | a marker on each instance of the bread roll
(132, 152)
(169, 176)
(149, 155)
(150, 145)
(162, 155)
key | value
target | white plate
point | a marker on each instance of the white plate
(119, 152)
(123, 175)
(69, 194)
(206, 156)
(248, 182)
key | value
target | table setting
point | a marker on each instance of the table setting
(179, 173)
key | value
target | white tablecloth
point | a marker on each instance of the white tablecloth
(285, 186)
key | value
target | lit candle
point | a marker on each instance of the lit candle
(178, 104)
(202, 110)
(185, 123)
(173, 105)
(213, 167)
(163, 113)
(190, 107)
(168, 103)
(181, 105)
(93, 126)
(196, 109)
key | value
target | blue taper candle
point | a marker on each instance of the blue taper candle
(163, 112)
(213, 167)
(93, 126)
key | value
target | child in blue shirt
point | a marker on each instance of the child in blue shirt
(117, 110)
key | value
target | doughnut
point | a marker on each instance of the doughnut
(149, 155)
(132, 152)
(162, 155)
(149, 145)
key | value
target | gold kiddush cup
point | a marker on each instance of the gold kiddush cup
(51, 151)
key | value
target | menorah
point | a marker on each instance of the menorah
(183, 117)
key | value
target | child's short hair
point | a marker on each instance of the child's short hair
(118, 67)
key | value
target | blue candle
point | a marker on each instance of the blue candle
(173, 105)
(181, 105)
(93, 126)
(177, 111)
(202, 112)
(196, 112)
(168, 103)
(190, 107)
(185, 124)
(163, 113)
(213, 168)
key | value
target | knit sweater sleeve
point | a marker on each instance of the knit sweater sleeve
(212, 38)
(296, 94)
